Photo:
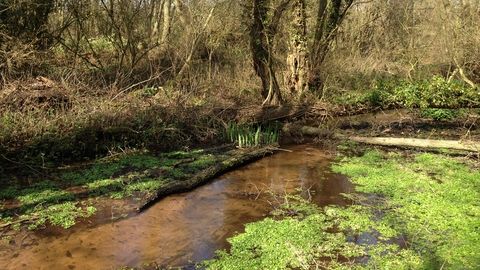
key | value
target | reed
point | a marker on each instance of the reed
(251, 135)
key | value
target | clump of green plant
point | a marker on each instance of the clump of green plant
(7, 239)
(57, 214)
(439, 114)
(122, 176)
(292, 205)
(116, 177)
(42, 202)
(307, 237)
(247, 135)
(434, 92)
(394, 92)
(63, 215)
(347, 145)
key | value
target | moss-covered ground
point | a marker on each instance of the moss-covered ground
(60, 196)
(412, 210)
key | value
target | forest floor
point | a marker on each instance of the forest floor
(48, 125)
(137, 174)
(125, 181)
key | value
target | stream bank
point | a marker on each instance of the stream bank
(181, 227)
(118, 211)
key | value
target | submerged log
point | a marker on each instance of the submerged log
(206, 175)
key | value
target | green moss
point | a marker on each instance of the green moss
(115, 177)
(430, 201)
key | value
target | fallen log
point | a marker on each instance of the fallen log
(270, 113)
(471, 146)
(206, 175)
(423, 143)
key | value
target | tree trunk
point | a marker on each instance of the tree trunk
(262, 33)
(329, 17)
(196, 42)
(470, 146)
(166, 23)
(423, 143)
(161, 11)
(297, 60)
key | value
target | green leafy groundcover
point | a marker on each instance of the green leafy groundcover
(427, 202)
(129, 174)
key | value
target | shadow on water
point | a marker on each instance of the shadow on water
(186, 226)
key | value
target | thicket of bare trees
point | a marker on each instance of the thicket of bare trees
(266, 50)
(412, 39)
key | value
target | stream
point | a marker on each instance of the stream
(182, 227)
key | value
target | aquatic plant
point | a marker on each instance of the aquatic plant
(427, 202)
(116, 177)
(249, 135)
(430, 200)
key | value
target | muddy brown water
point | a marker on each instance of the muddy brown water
(181, 227)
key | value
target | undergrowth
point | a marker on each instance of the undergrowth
(96, 127)
(392, 92)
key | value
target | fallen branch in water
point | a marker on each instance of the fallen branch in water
(204, 176)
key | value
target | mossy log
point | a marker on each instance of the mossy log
(204, 176)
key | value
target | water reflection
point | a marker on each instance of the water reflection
(187, 226)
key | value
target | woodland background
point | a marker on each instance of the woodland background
(81, 79)
(218, 48)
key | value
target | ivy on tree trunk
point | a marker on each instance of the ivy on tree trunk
(262, 32)
(297, 59)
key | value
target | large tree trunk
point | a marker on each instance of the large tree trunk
(262, 33)
(422, 143)
(200, 35)
(161, 11)
(297, 59)
(330, 15)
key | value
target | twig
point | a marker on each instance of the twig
(137, 84)
(23, 164)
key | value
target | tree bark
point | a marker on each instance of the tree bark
(422, 143)
(205, 175)
(297, 60)
(195, 45)
(262, 33)
(330, 15)
(160, 31)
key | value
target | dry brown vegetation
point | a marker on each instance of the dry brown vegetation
(82, 78)
(410, 39)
